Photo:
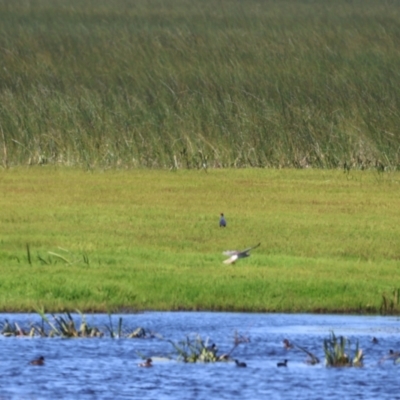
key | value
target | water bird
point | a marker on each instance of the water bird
(375, 340)
(240, 364)
(286, 344)
(312, 360)
(282, 364)
(37, 361)
(395, 355)
(222, 221)
(146, 364)
(236, 255)
(213, 348)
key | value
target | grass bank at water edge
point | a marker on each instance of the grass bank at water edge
(140, 240)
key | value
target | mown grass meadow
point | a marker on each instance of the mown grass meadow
(145, 239)
(214, 83)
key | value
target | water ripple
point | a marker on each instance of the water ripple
(106, 368)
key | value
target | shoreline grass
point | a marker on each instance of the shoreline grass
(141, 240)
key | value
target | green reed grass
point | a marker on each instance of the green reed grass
(329, 240)
(338, 352)
(173, 84)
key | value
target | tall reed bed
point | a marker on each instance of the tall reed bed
(216, 83)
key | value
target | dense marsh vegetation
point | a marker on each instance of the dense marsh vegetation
(186, 84)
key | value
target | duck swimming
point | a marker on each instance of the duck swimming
(282, 364)
(240, 364)
(38, 361)
(146, 364)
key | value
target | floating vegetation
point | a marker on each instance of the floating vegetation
(338, 352)
(64, 326)
(9, 329)
(194, 349)
(138, 333)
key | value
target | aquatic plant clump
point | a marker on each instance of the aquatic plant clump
(64, 326)
(195, 349)
(338, 352)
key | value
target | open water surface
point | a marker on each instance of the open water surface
(106, 368)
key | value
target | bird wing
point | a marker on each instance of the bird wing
(230, 252)
(250, 248)
(231, 259)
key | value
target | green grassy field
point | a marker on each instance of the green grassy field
(181, 83)
(147, 239)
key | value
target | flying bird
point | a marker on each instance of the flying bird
(236, 255)
(222, 221)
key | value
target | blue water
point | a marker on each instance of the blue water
(105, 368)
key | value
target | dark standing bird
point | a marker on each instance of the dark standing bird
(282, 364)
(146, 364)
(38, 361)
(240, 364)
(236, 255)
(222, 221)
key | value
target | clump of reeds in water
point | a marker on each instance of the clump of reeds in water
(195, 349)
(64, 326)
(338, 352)
(13, 329)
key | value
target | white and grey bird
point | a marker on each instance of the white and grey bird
(236, 255)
